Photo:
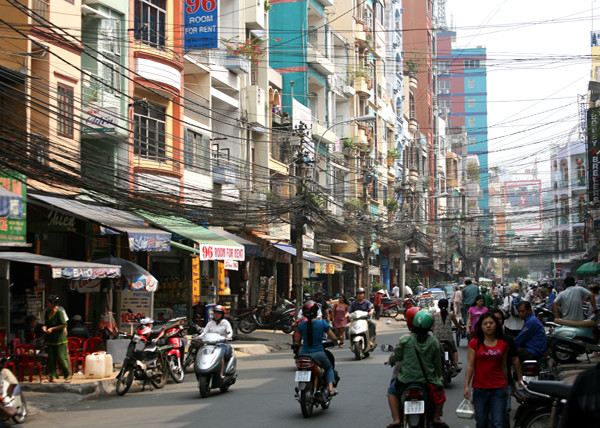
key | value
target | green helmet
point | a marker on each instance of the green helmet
(423, 319)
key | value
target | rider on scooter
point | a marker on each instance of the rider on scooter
(361, 304)
(218, 324)
(313, 329)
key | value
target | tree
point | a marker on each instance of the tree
(518, 271)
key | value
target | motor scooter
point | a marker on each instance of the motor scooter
(568, 339)
(448, 369)
(209, 360)
(10, 392)
(360, 339)
(541, 403)
(277, 319)
(174, 331)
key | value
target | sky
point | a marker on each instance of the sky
(538, 66)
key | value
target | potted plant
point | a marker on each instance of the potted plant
(353, 204)
(391, 204)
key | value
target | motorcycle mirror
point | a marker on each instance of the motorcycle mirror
(387, 348)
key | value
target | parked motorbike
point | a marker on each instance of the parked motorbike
(360, 339)
(312, 389)
(244, 321)
(543, 313)
(390, 307)
(195, 330)
(174, 332)
(568, 339)
(542, 402)
(145, 360)
(207, 365)
(10, 392)
(268, 319)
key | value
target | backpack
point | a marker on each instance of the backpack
(514, 306)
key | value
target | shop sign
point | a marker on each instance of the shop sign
(221, 252)
(86, 285)
(201, 28)
(85, 273)
(593, 143)
(195, 281)
(140, 304)
(328, 268)
(98, 119)
(231, 265)
(13, 216)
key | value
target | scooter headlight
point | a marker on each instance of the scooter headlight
(208, 350)
(136, 338)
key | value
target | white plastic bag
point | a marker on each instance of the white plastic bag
(465, 410)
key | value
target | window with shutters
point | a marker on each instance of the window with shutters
(110, 55)
(149, 130)
(65, 107)
(197, 153)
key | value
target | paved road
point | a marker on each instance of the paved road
(262, 397)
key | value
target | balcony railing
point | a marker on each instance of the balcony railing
(41, 8)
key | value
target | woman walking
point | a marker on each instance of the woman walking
(474, 313)
(55, 327)
(340, 318)
(443, 329)
(488, 372)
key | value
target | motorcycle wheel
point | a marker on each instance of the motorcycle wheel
(306, 400)
(124, 379)
(225, 388)
(287, 328)
(357, 353)
(247, 326)
(538, 420)
(176, 370)
(392, 312)
(21, 405)
(204, 386)
(159, 380)
(564, 355)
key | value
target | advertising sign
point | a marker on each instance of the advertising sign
(195, 281)
(13, 211)
(231, 265)
(525, 198)
(201, 24)
(98, 119)
(221, 252)
(593, 144)
(140, 303)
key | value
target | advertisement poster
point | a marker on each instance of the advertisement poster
(525, 198)
(13, 208)
(140, 303)
(195, 281)
(201, 25)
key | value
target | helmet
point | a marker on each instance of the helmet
(219, 309)
(410, 315)
(515, 287)
(483, 288)
(423, 319)
(52, 298)
(360, 290)
(310, 309)
(381, 291)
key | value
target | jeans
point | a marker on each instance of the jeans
(490, 407)
(321, 358)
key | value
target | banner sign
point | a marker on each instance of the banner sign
(13, 211)
(593, 144)
(221, 252)
(231, 265)
(201, 25)
(328, 268)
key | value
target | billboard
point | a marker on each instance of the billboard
(593, 147)
(13, 208)
(525, 199)
(201, 25)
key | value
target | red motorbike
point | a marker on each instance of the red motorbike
(390, 307)
(175, 330)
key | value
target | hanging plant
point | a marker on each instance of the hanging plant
(251, 49)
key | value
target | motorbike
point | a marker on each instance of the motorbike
(312, 389)
(360, 339)
(194, 344)
(459, 333)
(568, 339)
(244, 321)
(146, 358)
(408, 303)
(542, 402)
(414, 401)
(294, 345)
(266, 319)
(448, 369)
(10, 392)
(390, 307)
(207, 365)
(543, 313)
(174, 331)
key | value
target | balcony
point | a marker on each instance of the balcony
(362, 33)
(362, 87)
(255, 14)
(413, 175)
(321, 132)
(413, 125)
(413, 82)
(579, 182)
(256, 105)
(237, 64)
(319, 61)
(223, 173)
(340, 85)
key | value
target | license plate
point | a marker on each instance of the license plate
(528, 379)
(302, 376)
(414, 407)
(446, 356)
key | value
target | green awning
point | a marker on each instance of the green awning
(211, 246)
(591, 268)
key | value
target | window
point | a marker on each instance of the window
(471, 121)
(196, 152)
(150, 21)
(471, 63)
(471, 83)
(444, 67)
(472, 141)
(65, 111)
(149, 130)
(110, 58)
(443, 86)
(445, 107)
(471, 102)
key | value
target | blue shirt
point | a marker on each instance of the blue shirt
(320, 327)
(551, 297)
(532, 336)
(364, 306)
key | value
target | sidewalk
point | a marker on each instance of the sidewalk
(569, 372)
(56, 396)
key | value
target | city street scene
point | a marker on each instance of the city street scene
(260, 213)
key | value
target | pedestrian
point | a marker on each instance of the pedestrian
(513, 323)
(408, 291)
(469, 292)
(323, 306)
(340, 318)
(474, 313)
(532, 294)
(443, 329)
(531, 341)
(420, 289)
(487, 373)
(457, 300)
(488, 301)
(570, 301)
(326, 295)
(78, 329)
(396, 291)
(55, 327)
(377, 303)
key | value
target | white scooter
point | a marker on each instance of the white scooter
(208, 365)
(360, 339)
(10, 392)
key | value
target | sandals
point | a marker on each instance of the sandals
(333, 393)
(50, 380)
(68, 380)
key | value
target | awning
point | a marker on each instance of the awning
(323, 264)
(61, 268)
(141, 237)
(211, 245)
(250, 247)
(345, 260)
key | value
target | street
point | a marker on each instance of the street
(262, 397)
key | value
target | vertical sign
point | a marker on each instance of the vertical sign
(201, 29)
(195, 281)
(593, 148)
(13, 208)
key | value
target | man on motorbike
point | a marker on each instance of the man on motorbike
(218, 324)
(323, 306)
(313, 330)
(570, 301)
(531, 341)
(361, 304)
(418, 344)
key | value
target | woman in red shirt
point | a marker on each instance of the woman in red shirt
(488, 370)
